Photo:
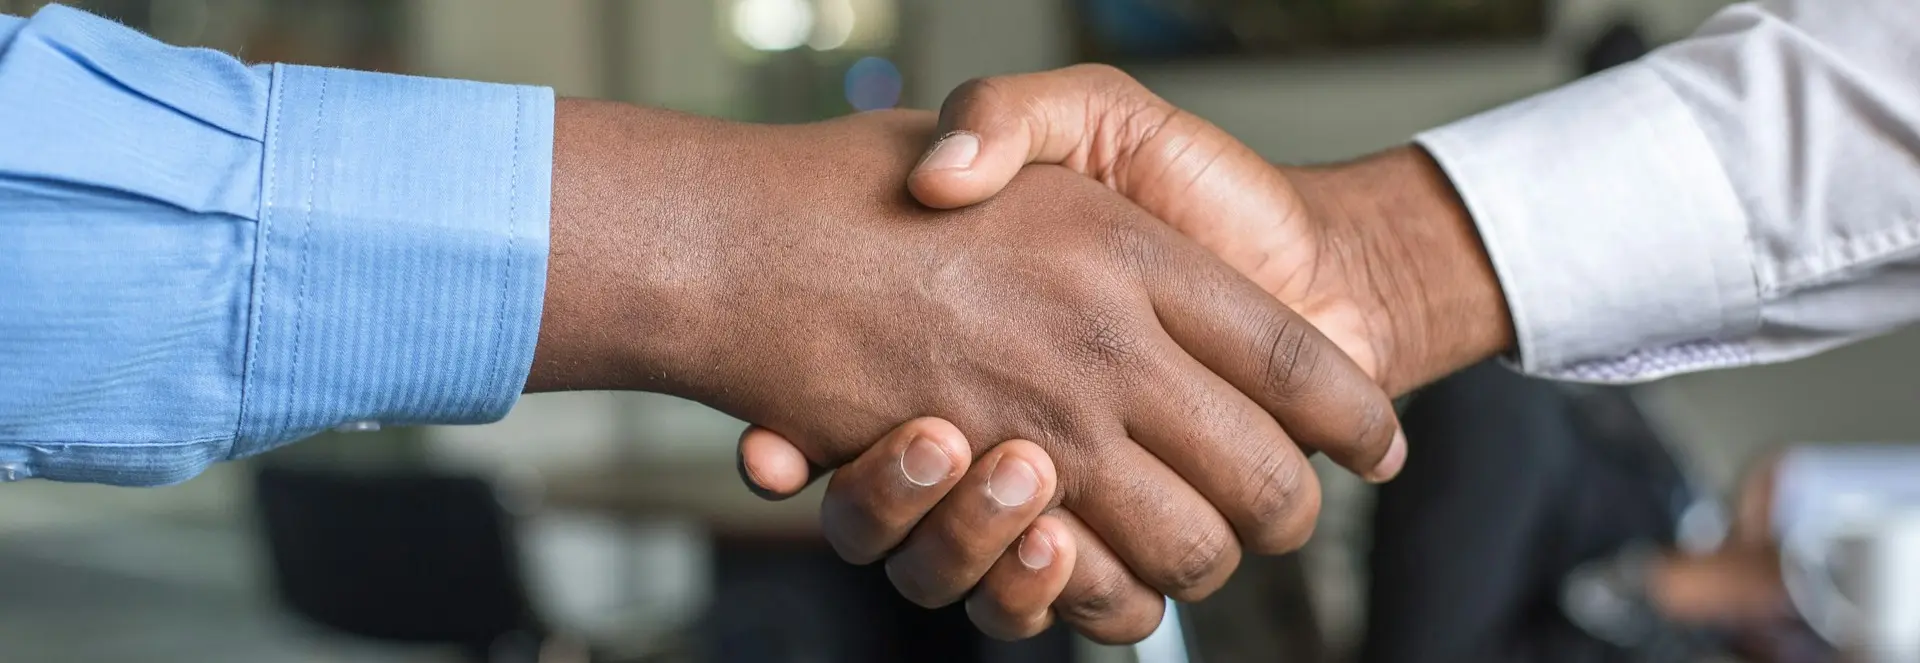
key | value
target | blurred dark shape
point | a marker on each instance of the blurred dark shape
(355, 34)
(1152, 29)
(1265, 614)
(135, 13)
(792, 600)
(1511, 484)
(1155, 30)
(401, 556)
(1617, 45)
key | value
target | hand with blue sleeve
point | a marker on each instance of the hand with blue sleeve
(201, 260)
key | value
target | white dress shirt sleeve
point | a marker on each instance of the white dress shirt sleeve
(1748, 195)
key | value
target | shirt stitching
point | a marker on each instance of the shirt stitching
(269, 164)
(1859, 252)
(35, 443)
(306, 234)
(513, 224)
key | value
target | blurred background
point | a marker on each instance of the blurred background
(615, 523)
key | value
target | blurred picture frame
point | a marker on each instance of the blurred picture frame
(1148, 31)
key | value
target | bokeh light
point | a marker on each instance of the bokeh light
(773, 25)
(873, 83)
(834, 25)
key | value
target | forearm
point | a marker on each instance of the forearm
(637, 196)
(1396, 219)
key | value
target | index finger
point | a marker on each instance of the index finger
(1281, 361)
(1272, 354)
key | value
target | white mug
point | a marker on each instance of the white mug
(1893, 598)
(1849, 526)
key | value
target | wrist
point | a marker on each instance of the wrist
(1413, 258)
(638, 212)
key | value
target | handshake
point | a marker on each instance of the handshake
(1058, 390)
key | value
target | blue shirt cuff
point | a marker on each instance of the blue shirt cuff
(402, 254)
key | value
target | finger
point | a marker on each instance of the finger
(991, 127)
(1230, 450)
(1168, 535)
(772, 466)
(1277, 358)
(1015, 599)
(1102, 599)
(952, 548)
(873, 502)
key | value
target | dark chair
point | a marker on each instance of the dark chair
(795, 601)
(401, 557)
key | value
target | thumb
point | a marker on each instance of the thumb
(772, 466)
(991, 127)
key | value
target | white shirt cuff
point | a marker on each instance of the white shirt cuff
(1619, 242)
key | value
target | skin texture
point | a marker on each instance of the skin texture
(1379, 254)
(783, 275)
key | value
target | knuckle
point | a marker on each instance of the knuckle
(1125, 630)
(853, 551)
(1208, 559)
(942, 561)
(1099, 603)
(1300, 530)
(1137, 248)
(1104, 74)
(859, 520)
(1002, 617)
(1057, 426)
(996, 619)
(977, 96)
(958, 546)
(1292, 362)
(1272, 498)
(852, 530)
(997, 601)
(1374, 427)
(915, 585)
(1283, 506)
(1106, 339)
(1137, 630)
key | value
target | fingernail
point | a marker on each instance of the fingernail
(955, 151)
(1036, 550)
(924, 463)
(1395, 459)
(1013, 482)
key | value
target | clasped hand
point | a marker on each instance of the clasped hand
(1196, 394)
(1078, 407)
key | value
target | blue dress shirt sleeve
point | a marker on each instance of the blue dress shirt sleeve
(201, 260)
